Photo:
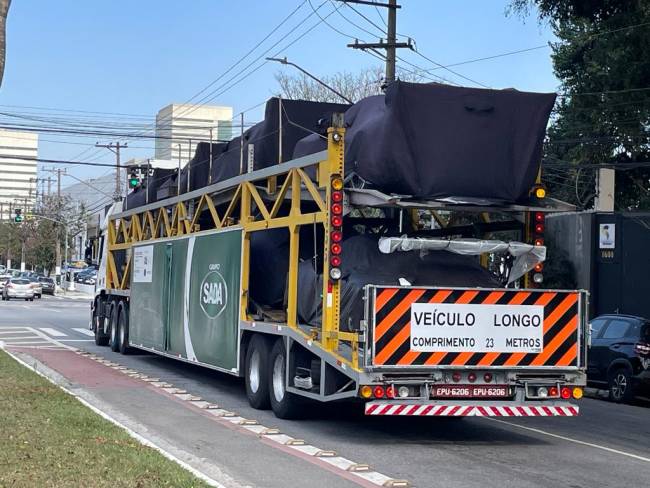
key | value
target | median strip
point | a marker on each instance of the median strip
(48, 438)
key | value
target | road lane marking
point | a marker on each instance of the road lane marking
(52, 332)
(84, 332)
(569, 439)
(76, 340)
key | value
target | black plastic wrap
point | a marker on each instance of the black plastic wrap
(438, 141)
(363, 264)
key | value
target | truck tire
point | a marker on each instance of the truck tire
(123, 329)
(113, 333)
(285, 405)
(620, 386)
(101, 339)
(257, 370)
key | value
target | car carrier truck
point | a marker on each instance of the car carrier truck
(175, 279)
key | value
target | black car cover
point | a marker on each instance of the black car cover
(438, 141)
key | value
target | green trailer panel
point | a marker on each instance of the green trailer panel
(185, 297)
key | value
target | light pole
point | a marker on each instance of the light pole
(65, 226)
(286, 61)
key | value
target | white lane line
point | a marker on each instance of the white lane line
(569, 439)
(84, 332)
(76, 340)
(21, 338)
(23, 343)
(52, 332)
(52, 310)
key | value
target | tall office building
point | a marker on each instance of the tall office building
(18, 153)
(180, 127)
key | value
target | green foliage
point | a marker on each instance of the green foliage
(38, 235)
(603, 115)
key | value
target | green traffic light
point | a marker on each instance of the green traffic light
(18, 219)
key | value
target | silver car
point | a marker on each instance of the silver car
(18, 288)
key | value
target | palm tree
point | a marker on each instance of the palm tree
(4, 8)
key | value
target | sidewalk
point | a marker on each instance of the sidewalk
(234, 451)
(72, 294)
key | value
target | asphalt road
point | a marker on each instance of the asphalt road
(607, 445)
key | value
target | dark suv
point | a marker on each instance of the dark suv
(619, 355)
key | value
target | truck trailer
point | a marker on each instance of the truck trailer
(182, 277)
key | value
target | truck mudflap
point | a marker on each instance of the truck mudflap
(465, 409)
(414, 327)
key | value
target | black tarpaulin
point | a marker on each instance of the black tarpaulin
(363, 264)
(299, 118)
(436, 141)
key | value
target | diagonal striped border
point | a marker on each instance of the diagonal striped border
(392, 313)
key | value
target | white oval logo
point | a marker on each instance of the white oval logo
(214, 294)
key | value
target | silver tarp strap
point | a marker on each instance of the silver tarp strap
(526, 255)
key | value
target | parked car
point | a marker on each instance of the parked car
(619, 356)
(18, 288)
(36, 285)
(3, 280)
(48, 285)
(87, 277)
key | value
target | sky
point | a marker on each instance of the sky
(117, 57)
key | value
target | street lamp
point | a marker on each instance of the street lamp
(65, 226)
(286, 61)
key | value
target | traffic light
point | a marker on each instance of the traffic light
(18, 215)
(134, 181)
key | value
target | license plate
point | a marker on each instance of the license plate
(470, 391)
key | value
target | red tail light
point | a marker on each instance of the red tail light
(337, 236)
(565, 393)
(539, 267)
(471, 377)
(378, 392)
(552, 391)
(337, 221)
(539, 241)
(336, 249)
(539, 217)
(539, 228)
(390, 392)
(487, 377)
(456, 377)
(337, 196)
(337, 209)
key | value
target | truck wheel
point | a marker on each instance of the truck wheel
(101, 339)
(285, 405)
(113, 336)
(123, 329)
(620, 385)
(257, 369)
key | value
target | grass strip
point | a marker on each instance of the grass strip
(49, 439)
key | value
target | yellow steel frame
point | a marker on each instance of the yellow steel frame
(247, 208)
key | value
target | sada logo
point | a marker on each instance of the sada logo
(214, 294)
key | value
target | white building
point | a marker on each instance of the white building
(180, 127)
(18, 153)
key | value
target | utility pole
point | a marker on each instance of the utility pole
(390, 45)
(115, 149)
(605, 190)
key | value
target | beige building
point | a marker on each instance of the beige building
(180, 127)
(18, 153)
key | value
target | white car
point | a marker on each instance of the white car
(18, 288)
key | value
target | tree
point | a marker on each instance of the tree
(602, 117)
(4, 10)
(354, 86)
